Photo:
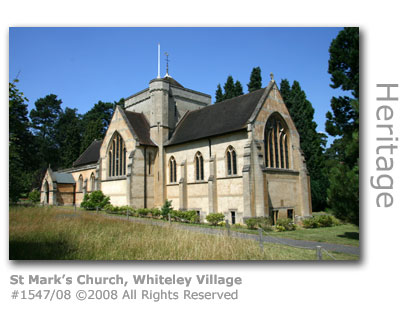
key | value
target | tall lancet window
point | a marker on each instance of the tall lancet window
(231, 162)
(199, 166)
(276, 143)
(172, 170)
(117, 156)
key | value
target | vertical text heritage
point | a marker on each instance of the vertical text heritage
(385, 139)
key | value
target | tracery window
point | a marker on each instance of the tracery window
(231, 162)
(276, 143)
(199, 166)
(172, 170)
(117, 156)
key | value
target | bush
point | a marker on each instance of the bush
(285, 225)
(34, 196)
(215, 218)
(142, 212)
(260, 222)
(94, 199)
(320, 221)
(156, 213)
(185, 216)
(166, 209)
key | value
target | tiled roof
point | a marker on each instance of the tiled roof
(220, 118)
(90, 155)
(141, 127)
(61, 177)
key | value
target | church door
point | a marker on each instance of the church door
(47, 193)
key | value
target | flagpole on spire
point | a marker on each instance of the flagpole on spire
(158, 60)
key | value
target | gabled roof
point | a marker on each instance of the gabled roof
(140, 126)
(90, 155)
(220, 118)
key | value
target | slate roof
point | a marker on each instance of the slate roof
(141, 127)
(220, 118)
(61, 177)
(90, 155)
(172, 82)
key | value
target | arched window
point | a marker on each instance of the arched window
(231, 162)
(199, 166)
(117, 156)
(172, 170)
(80, 183)
(92, 182)
(276, 143)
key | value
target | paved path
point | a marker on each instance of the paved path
(284, 241)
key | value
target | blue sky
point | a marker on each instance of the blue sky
(84, 65)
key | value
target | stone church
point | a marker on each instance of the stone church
(241, 157)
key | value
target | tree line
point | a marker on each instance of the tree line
(48, 136)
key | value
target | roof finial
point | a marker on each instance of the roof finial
(167, 65)
(272, 76)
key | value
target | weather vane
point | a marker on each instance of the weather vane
(167, 63)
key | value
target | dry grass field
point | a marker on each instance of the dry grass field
(60, 234)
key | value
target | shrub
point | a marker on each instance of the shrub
(142, 212)
(34, 196)
(285, 225)
(156, 213)
(94, 199)
(320, 221)
(260, 222)
(185, 216)
(166, 209)
(215, 218)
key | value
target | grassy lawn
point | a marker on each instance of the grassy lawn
(346, 234)
(57, 233)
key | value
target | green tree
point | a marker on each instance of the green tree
(68, 136)
(229, 88)
(43, 119)
(20, 144)
(312, 143)
(219, 94)
(95, 122)
(343, 124)
(255, 80)
(238, 88)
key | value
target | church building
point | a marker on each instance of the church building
(240, 157)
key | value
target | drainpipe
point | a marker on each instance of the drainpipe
(210, 147)
(144, 178)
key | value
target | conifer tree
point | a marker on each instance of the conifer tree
(238, 89)
(219, 94)
(229, 88)
(255, 80)
(68, 136)
(95, 122)
(343, 124)
(312, 143)
(43, 119)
